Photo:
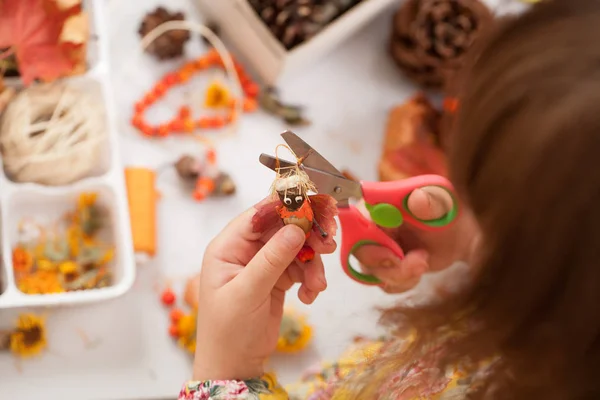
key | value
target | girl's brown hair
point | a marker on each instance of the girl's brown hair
(525, 157)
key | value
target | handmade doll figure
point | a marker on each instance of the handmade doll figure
(295, 207)
(292, 204)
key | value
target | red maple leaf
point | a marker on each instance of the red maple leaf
(33, 34)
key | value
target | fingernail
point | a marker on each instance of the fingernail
(387, 263)
(293, 235)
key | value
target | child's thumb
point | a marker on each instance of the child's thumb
(267, 266)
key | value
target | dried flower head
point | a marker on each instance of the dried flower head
(29, 337)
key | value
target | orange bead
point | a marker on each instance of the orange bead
(203, 123)
(137, 121)
(168, 297)
(176, 125)
(201, 63)
(188, 125)
(175, 315)
(230, 117)
(163, 130)
(149, 99)
(147, 130)
(174, 331)
(251, 89)
(211, 156)
(212, 57)
(160, 89)
(205, 183)
(184, 75)
(198, 195)
(170, 79)
(216, 122)
(184, 112)
(139, 107)
(250, 105)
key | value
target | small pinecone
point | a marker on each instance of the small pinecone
(170, 44)
(431, 37)
(295, 21)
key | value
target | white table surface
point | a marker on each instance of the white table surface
(120, 349)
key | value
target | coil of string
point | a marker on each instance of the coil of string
(51, 134)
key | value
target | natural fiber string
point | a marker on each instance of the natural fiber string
(50, 134)
(215, 42)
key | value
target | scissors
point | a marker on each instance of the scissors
(386, 202)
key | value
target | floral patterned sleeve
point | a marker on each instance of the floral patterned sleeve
(264, 388)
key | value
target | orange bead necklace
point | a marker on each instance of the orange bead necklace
(183, 121)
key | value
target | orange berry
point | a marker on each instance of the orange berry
(211, 156)
(198, 195)
(176, 125)
(168, 297)
(160, 89)
(175, 315)
(206, 185)
(170, 79)
(203, 123)
(251, 89)
(174, 331)
(201, 63)
(188, 125)
(250, 105)
(139, 107)
(184, 112)
(137, 121)
(147, 130)
(212, 57)
(163, 130)
(217, 122)
(231, 116)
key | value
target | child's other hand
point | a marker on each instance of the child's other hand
(241, 293)
(424, 251)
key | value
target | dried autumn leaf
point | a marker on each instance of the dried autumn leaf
(33, 33)
(410, 146)
(73, 40)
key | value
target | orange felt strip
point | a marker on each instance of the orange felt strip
(142, 196)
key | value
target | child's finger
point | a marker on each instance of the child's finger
(429, 203)
(314, 275)
(382, 263)
(406, 274)
(265, 269)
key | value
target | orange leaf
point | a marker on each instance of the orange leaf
(34, 35)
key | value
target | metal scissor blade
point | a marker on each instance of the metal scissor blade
(338, 187)
(314, 159)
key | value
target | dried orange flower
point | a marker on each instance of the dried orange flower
(217, 95)
(29, 337)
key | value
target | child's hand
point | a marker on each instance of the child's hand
(242, 287)
(424, 251)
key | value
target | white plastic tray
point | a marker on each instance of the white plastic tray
(47, 203)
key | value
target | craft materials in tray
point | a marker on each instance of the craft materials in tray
(66, 255)
(64, 217)
(281, 38)
(295, 21)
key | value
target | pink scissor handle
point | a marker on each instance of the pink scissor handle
(358, 231)
(395, 194)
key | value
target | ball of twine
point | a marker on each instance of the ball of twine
(51, 134)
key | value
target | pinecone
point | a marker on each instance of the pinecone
(295, 21)
(170, 44)
(431, 37)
